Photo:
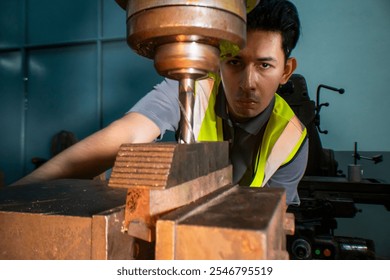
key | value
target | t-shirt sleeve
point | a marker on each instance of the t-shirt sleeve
(161, 105)
(289, 176)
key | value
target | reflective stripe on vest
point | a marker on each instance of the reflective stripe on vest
(207, 127)
(282, 138)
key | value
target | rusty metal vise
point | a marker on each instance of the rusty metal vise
(181, 196)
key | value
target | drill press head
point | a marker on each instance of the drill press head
(184, 38)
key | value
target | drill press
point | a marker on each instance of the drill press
(184, 39)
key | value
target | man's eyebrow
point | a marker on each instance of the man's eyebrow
(267, 58)
(261, 59)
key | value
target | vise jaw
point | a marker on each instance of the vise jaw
(161, 177)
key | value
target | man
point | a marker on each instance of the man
(268, 143)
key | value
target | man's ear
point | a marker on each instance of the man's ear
(289, 68)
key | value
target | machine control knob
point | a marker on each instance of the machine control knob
(301, 249)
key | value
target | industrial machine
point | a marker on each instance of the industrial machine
(326, 193)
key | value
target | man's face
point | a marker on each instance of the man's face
(251, 78)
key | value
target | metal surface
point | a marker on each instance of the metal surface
(151, 24)
(250, 4)
(231, 223)
(187, 101)
(368, 191)
(355, 172)
(326, 203)
(165, 165)
(65, 219)
(163, 177)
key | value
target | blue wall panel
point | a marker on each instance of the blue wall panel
(51, 21)
(61, 96)
(346, 44)
(126, 78)
(114, 20)
(11, 23)
(11, 114)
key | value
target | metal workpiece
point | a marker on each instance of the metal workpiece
(162, 177)
(234, 222)
(64, 219)
(166, 164)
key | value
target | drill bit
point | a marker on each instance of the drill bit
(186, 103)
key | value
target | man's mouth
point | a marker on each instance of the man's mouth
(246, 101)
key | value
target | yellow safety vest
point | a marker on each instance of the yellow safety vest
(283, 136)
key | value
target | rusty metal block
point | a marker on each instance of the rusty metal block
(64, 219)
(145, 206)
(231, 223)
(163, 177)
(165, 165)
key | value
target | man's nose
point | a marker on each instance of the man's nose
(248, 79)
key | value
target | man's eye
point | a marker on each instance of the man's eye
(234, 62)
(265, 65)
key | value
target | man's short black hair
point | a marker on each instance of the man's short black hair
(277, 16)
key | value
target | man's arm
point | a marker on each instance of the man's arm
(96, 153)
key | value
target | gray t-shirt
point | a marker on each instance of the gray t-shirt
(161, 105)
